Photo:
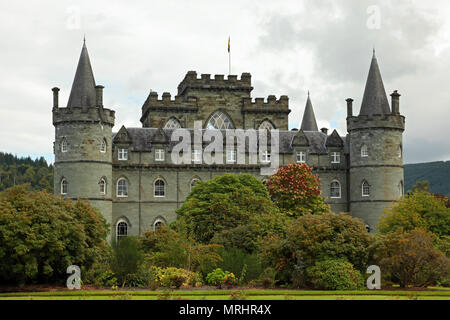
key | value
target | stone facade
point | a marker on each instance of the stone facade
(90, 160)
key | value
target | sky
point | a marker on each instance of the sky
(289, 47)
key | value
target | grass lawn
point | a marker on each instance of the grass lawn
(434, 294)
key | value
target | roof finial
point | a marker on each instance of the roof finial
(308, 93)
(373, 53)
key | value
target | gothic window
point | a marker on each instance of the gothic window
(301, 157)
(219, 121)
(103, 146)
(122, 230)
(336, 157)
(123, 154)
(335, 190)
(193, 182)
(159, 155)
(364, 151)
(266, 124)
(157, 225)
(365, 189)
(160, 188)
(265, 157)
(172, 123)
(64, 186)
(102, 185)
(122, 188)
(64, 145)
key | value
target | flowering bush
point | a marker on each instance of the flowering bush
(296, 191)
(219, 278)
(175, 277)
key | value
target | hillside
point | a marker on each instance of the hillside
(437, 173)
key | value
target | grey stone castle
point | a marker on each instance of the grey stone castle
(130, 177)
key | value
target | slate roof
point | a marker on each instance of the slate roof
(309, 122)
(142, 140)
(375, 100)
(83, 86)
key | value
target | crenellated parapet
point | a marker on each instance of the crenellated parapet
(219, 82)
(362, 122)
(271, 105)
(89, 115)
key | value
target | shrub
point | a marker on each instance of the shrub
(107, 279)
(126, 259)
(219, 278)
(175, 277)
(335, 275)
(267, 278)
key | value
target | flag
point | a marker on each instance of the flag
(228, 44)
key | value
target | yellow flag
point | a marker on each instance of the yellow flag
(228, 44)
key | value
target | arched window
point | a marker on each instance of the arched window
(364, 151)
(122, 230)
(401, 190)
(172, 123)
(266, 124)
(64, 186)
(160, 188)
(103, 146)
(365, 189)
(219, 120)
(122, 188)
(64, 145)
(102, 185)
(157, 225)
(399, 151)
(193, 182)
(335, 190)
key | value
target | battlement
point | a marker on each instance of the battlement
(77, 114)
(392, 121)
(262, 105)
(205, 82)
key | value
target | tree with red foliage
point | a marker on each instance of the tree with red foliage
(295, 190)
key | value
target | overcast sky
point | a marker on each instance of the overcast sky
(289, 47)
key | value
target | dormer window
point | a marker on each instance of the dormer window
(64, 145)
(265, 157)
(301, 157)
(364, 151)
(231, 156)
(335, 157)
(123, 154)
(196, 155)
(159, 155)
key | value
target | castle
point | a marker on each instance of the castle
(130, 177)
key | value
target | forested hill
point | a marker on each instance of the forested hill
(437, 173)
(14, 171)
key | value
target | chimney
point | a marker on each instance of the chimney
(395, 102)
(99, 95)
(324, 130)
(55, 97)
(349, 107)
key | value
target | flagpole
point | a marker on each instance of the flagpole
(229, 56)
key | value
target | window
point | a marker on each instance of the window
(364, 151)
(399, 151)
(64, 145)
(401, 189)
(265, 157)
(172, 123)
(335, 190)
(123, 154)
(160, 188)
(159, 155)
(122, 230)
(103, 146)
(301, 157)
(266, 124)
(231, 155)
(122, 188)
(196, 155)
(219, 120)
(193, 182)
(157, 225)
(64, 186)
(336, 157)
(365, 189)
(102, 185)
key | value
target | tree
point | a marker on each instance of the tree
(314, 238)
(419, 209)
(126, 259)
(41, 235)
(222, 203)
(411, 259)
(296, 191)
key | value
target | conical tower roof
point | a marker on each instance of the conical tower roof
(375, 100)
(309, 119)
(83, 87)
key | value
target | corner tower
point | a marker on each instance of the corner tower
(376, 150)
(83, 141)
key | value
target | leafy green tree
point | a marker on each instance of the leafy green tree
(296, 190)
(222, 203)
(126, 258)
(41, 235)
